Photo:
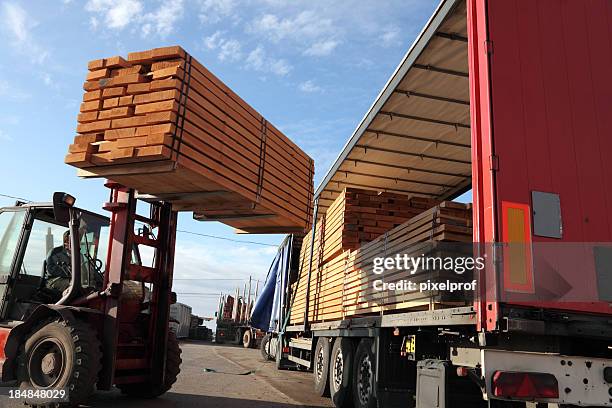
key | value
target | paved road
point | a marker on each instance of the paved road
(211, 377)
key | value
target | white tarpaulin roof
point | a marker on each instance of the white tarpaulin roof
(415, 139)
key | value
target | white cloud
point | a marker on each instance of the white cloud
(212, 41)
(17, 21)
(229, 50)
(93, 23)
(212, 267)
(47, 79)
(310, 87)
(18, 25)
(5, 137)
(321, 48)
(116, 13)
(255, 59)
(120, 14)
(11, 92)
(259, 61)
(280, 67)
(390, 36)
(212, 11)
(305, 25)
(164, 18)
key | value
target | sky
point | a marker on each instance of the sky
(312, 68)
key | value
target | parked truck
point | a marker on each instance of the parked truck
(233, 317)
(180, 319)
(511, 100)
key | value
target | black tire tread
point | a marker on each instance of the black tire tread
(173, 368)
(88, 354)
(262, 347)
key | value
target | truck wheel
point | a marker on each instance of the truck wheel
(340, 373)
(173, 368)
(264, 347)
(321, 367)
(364, 375)
(237, 337)
(61, 355)
(247, 339)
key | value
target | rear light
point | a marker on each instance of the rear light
(221, 334)
(462, 371)
(526, 386)
(285, 350)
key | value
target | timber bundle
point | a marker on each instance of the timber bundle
(161, 123)
(362, 225)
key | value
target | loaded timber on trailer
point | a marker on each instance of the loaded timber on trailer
(508, 99)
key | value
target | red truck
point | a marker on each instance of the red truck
(511, 99)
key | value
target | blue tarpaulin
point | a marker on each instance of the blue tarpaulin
(267, 312)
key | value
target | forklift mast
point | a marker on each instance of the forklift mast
(136, 356)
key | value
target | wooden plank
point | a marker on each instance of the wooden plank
(222, 137)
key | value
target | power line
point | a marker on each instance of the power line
(226, 239)
(215, 279)
(15, 198)
(182, 231)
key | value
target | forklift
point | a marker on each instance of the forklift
(79, 309)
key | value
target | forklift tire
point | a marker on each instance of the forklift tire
(263, 347)
(61, 355)
(364, 375)
(247, 339)
(340, 373)
(320, 372)
(173, 368)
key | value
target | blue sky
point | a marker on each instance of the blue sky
(311, 67)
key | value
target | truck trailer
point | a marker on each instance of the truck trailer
(511, 100)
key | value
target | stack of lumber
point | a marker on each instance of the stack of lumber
(161, 123)
(343, 286)
(359, 215)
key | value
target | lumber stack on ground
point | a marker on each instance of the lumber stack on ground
(358, 216)
(161, 123)
(343, 285)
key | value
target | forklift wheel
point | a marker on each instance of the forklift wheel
(247, 339)
(61, 355)
(173, 368)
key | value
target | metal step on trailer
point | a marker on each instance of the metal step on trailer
(299, 351)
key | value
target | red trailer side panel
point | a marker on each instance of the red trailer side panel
(551, 98)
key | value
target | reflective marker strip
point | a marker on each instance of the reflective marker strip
(516, 236)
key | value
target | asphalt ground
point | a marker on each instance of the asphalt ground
(218, 376)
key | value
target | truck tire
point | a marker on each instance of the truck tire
(364, 375)
(237, 337)
(340, 373)
(173, 368)
(264, 348)
(320, 371)
(247, 339)
(61, 355)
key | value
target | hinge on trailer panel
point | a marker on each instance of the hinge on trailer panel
(494, 162)
(488, 47)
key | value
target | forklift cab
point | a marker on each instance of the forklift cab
(29, 232)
